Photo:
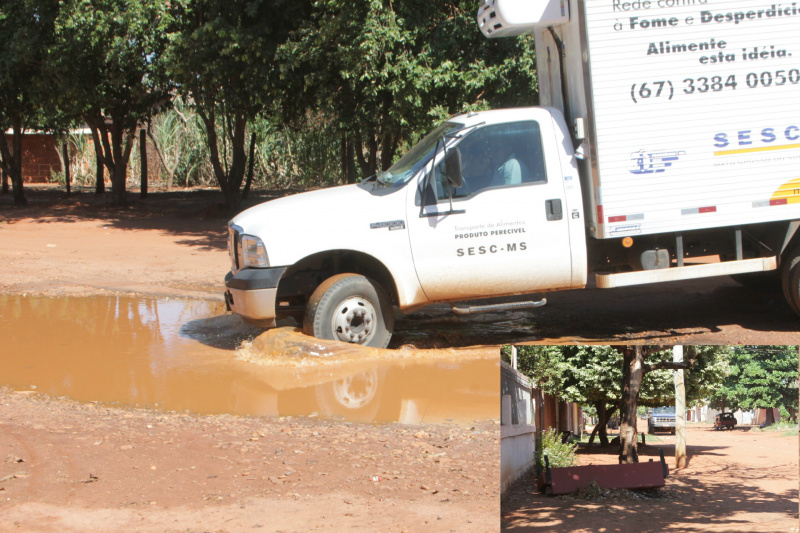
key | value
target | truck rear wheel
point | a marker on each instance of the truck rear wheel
(790, 279)
(350, 308)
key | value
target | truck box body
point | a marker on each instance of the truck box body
(691, 111)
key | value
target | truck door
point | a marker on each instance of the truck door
(507, 231)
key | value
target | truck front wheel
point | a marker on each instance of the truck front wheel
(350, 308)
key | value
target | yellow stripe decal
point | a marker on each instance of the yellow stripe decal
(760, 149)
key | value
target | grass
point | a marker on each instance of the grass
(786, 429)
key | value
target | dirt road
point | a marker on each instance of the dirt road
(72, 467)
(744, 480)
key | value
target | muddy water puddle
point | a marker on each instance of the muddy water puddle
(179, 355)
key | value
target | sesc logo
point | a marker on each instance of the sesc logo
(644, 162)
(754, 140)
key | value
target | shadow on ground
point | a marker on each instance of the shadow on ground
(198, 214)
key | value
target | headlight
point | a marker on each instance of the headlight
(253, 253)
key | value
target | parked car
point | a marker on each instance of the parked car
(724, 421)
(661, 419)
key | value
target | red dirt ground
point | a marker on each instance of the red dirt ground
(66, 466)
(744, 480)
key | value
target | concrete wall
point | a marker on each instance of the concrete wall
(517, 429)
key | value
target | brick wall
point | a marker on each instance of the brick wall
(38, 157)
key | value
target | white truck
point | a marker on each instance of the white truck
(667, 147)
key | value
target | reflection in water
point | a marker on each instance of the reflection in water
(184, 355)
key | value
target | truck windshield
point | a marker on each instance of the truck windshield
(407, 166)
(664, 411)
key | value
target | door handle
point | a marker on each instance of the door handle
(553, 209)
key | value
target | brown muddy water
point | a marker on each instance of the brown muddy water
(179, 355)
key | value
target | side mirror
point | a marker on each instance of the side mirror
(452, 168)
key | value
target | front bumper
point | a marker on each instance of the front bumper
(251, 293)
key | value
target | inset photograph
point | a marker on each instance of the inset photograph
(649, 438)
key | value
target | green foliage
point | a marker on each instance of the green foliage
(26, 34)
(304, 155)
(222, 59)
(57, 176)
(320, 82)
(590, 374)
(387, 72)
(760, 377)
(81, 158)
(108, 63)
(558, 454)
(107, 56)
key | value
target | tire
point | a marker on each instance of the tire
(350, 308)
(790, 279)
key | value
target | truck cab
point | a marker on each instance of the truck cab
(487, 204)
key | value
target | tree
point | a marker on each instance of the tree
(640, 362)
(223, 61)
(587, 375)
(26, 29)
(386, 72)
(760, 377)
(108, 62)
(612, 377)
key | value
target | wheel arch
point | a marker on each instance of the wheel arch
(791, 239)
(301, 279)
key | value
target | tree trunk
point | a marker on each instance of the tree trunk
(632, 373)
(120, 150)
(250, 165)
(100, 182)
(388, 149)
(4, 189)
(65, 162)
(348, 159)
(143, 162)
(770, 420)
(12, 162)
(351, 175)
(369, 161)
(604, 414)
(113, 144)
(229, 177)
